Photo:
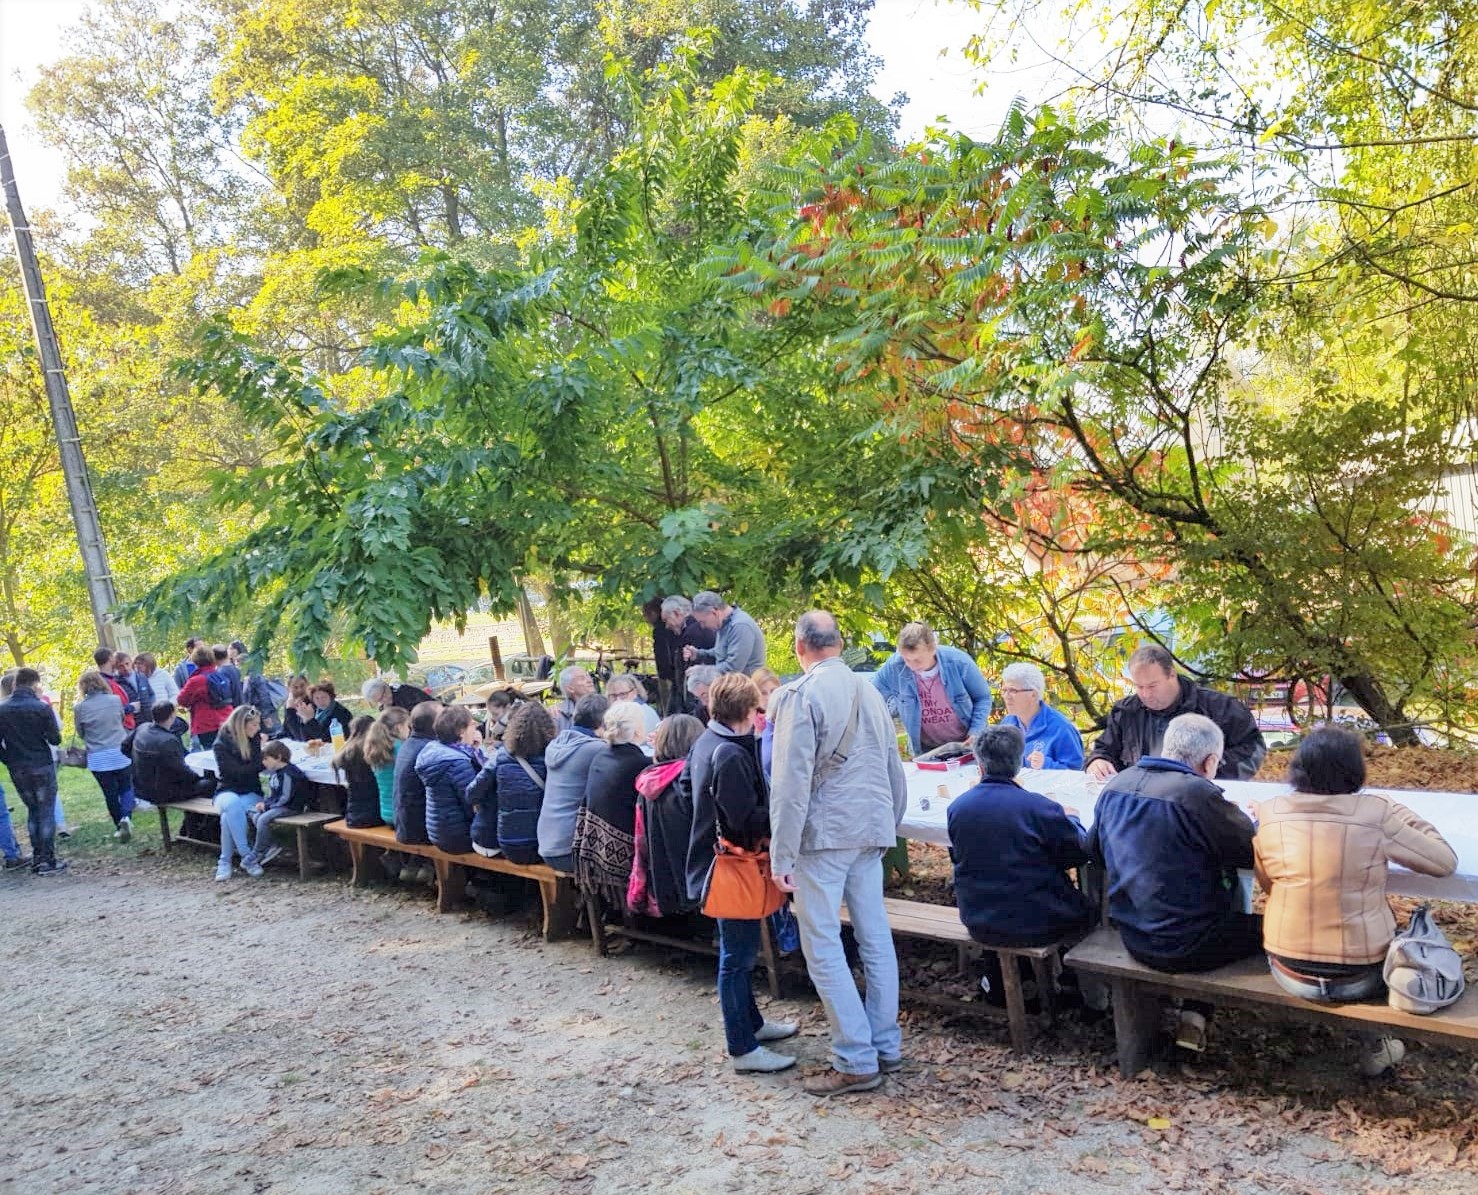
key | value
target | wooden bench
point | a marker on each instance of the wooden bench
(557, 891)
(600, 930)
(1244, 984)
(941, 923)
(300, 823)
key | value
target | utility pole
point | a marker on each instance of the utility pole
(100, 592)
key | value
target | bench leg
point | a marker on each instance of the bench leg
(1021, 1035)
(303, 869)
(770, 957)
(561, 909)
(1136, 1026)
(163, 812)
(596, 917)
(357, 877)
(450, 884)
(1046, 974)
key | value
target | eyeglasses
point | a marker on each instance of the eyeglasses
(1015, 692)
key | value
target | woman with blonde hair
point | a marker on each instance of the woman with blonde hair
(605, 835)
(238, 752)
(98, 717)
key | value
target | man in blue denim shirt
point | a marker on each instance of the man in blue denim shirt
(938, 693)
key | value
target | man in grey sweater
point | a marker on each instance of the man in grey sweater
(837, 795)
(740, 646)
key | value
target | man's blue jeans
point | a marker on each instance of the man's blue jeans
(8, 845)
(235, 838)
(825, 880)
(37, 789)
(738, 947)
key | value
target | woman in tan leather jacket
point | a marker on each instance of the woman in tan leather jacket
(1321, 854)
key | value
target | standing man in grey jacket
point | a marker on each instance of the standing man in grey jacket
(740, 646)
(837, 796)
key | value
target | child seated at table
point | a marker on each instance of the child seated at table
(362, 805)
(287, 792)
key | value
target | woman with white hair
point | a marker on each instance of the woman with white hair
(1051, 740)
(605, 833)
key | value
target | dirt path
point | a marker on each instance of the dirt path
(172, 1035)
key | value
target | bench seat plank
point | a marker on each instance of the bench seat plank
(941, 923)
(556, 890)
(1249, 984)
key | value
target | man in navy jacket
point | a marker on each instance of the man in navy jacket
(1012, 850)
(1170, 844)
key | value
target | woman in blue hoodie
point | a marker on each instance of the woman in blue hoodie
(508, 792)
(447, 768)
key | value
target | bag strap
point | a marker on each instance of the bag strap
(528, 767)
(725, 750)
(843, 750)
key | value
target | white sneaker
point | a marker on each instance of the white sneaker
(223, 872)
(252, 868)
(1390, 1053)
(142, 806)
(763, 1061)
(776, 1031)
(125, 829)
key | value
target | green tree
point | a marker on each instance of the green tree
(1037, 294)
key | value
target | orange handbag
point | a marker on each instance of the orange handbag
(739, 885)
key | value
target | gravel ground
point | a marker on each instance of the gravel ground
(162, 1033)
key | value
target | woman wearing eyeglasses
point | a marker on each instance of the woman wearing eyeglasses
(1051, 740)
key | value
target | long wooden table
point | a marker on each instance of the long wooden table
(1454, 814)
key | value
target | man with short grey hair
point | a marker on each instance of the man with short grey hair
(698, 680)
(1171, 844)
(686, 631)
(739, 645)
(574, 683)
(837, 795)
(383, 694)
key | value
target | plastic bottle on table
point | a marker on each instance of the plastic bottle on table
(336, 735)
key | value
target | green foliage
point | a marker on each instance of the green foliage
(611, 421)
(1086, 313)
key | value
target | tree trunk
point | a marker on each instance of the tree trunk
(533, 638)
(1371, 697)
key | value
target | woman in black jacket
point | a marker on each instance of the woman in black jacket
(735, 797)
(362, 806)
(605, 831)
(328, 711)
(238, 752)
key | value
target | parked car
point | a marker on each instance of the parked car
(445, 682)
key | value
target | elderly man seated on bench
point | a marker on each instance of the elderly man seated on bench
(1012, 850)
(1170, 844)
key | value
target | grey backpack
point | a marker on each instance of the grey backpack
(1423, 973)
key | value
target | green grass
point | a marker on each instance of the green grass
(87, 817)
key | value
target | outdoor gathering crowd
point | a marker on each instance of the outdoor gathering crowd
(747, 798)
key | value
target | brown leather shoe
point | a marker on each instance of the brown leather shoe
(835, 1082)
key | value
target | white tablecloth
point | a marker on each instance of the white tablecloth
(1454, 814)
(319, 768)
